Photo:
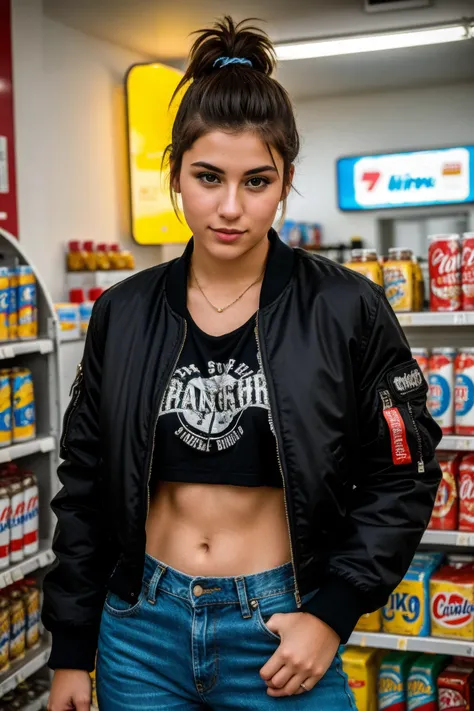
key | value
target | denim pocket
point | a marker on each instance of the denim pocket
(117, 607)
(264, 608)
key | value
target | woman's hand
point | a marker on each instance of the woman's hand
(71, 689)
(307, 649)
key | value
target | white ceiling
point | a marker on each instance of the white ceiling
(160, 30)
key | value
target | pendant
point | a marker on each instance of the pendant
(219, 311)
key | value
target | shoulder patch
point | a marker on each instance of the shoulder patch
(406, 381)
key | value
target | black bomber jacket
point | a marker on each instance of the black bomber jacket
(355, 442)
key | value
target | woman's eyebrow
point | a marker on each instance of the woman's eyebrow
(215, 169)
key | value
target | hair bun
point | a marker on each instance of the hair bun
(229, 40)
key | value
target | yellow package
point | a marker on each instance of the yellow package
(408, 609)
(371, 622)
(361, 667)
(365, 262)
(400, 280)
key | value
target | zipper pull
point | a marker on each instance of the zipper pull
(386, 398)
(421, 467)
(76, 379)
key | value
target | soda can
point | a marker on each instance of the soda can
(4, 302)
(445, 273)
(5, 409)
(17, 498)
(31, 522)
(446, 508)
(441, 393)
(468, 271)
(31, 596)
(4, 634)
(13, 305)
(464, 392)
(17, 625)
(24, 416)
(27, 303)
(421, 355)
(466, 494)
(5, 516)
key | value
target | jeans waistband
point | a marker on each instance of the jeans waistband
(201, 591)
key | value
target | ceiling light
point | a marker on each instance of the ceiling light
(373, 43)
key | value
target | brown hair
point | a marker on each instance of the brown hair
(233, 96)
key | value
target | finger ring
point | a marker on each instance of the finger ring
(304, 687)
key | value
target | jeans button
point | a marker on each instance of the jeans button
(254, 604)
(197, 590)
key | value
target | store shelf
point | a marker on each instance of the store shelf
(433, 318)
(42, 559)
(24, 449)
(11, 350)
(34, 660)
(463, 648)
(457, 443)
(449, 538)
(38, 704)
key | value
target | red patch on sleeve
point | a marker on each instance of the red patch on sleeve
(398, 435)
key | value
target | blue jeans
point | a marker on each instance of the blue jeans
(199, 643)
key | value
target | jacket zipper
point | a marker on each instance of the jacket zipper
(75, 392)
(150, 469)
(387, 403)
(272, 428)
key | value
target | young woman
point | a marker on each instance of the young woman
(248, 459)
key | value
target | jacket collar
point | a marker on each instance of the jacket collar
(278, 272)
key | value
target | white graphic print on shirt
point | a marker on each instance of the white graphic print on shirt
(209, 407)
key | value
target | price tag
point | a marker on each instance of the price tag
(5, 455)
(402, 644)
(46, 347)
(463, 539)
(17, 574)
(43, 560)
(466, 444)
(7, 578)
(460, 319)
(405, 319)
(363, 641)
(8, 352)
(46, 444)
(469, 652)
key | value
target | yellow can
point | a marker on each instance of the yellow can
(452, 602)
(365, 261)
(5, 409)
(27, 304)
(399, 280)
(17, 626)
(4, 634)
(371, 622)
(419, 286)
(361, 666)
(4, 303)
(13, 305)
(24, 416)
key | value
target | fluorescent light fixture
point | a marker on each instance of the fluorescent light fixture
(373, 43)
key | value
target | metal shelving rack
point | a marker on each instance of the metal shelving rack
(40, 455)
(429, 330)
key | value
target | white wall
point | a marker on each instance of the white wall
(70, 136)
(331, 128)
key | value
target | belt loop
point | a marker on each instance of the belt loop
(243, 599)
(152, 590)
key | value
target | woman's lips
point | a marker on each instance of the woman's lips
(227, 237)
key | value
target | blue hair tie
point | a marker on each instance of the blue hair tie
(224, 61)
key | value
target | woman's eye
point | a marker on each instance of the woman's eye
(258, 182)
(208, 178)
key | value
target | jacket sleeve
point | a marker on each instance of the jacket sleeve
(395, 483)
(75, 587)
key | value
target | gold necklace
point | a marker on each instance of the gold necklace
(224, 308)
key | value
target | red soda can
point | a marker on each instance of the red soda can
(31, 522)
(466, 493)
(421, 356)
(468, 271)
(446, 508)
(441, 393)
(464, 392)
(445, 273)
(17, 494)
(5, 515)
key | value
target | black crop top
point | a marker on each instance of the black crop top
(213, 426)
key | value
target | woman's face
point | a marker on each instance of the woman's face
(230, 191)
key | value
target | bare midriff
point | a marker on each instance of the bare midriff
(218, 530)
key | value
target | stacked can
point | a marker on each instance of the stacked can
(27, 303)
(445, 254)
(19, 515)
(13, 305)
(468, 271)
(6, 433)
(466, 494)
(4, 303)
(464, 392)
(421, 356)
(441, 393)
(24, 415)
